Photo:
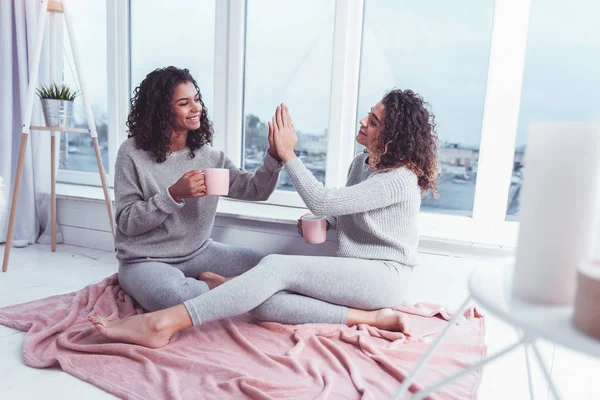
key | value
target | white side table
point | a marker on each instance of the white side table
(490, 287)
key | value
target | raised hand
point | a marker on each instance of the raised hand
(190, 185)
(272, 149)
(284, 134)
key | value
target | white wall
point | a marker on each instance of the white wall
(84, 223)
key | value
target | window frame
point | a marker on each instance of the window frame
(487, 225)
(116, 27)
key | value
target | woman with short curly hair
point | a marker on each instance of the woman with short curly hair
(376, 217)
(164, 218)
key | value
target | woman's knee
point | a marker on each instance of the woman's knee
(255, 255)
(239, 253)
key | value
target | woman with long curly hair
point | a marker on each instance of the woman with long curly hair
(376, 217)
(164, 217)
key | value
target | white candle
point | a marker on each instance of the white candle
(558, 210)
(586, 313)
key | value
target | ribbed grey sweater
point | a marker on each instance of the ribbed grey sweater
(375, 213)
(151, 225)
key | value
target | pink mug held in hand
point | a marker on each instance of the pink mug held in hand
(217, 181)
(314, 229)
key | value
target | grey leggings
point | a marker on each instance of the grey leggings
(301, 289)
(156, 285)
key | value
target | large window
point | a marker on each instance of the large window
(89, 24)
(180, 33)
(330, 61)
(288, 59)
(442, 53)
(560, 81)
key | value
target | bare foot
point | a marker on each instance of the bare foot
(392, 320)
(213, 280)
(142, 329)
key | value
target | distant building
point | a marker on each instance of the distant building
(312, 144)
(256, 134)
(454, 154)
(256, 138)
(519, 159)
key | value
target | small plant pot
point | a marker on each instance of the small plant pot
(57, 113)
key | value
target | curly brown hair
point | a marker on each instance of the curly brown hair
(150, 118)
(408, 138)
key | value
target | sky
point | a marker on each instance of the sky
(439, 51)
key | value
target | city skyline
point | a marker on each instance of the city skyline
(461, 33)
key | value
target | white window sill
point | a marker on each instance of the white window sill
(442, 233)
(256, 211)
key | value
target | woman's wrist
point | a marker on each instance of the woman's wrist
(175, 197)
(288, 157)
(274, 154)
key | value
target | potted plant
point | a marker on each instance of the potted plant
(57, 104)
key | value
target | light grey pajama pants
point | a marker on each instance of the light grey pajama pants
(285, 289)
(301, 289)
(157, 285)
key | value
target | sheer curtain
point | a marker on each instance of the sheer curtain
(18, 27)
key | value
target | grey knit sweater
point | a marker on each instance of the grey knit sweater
(151, 224)
(376, 212)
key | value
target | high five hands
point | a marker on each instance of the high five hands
(282, 135)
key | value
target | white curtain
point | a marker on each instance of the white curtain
(18, 27)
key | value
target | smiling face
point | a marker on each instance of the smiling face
(371, 125)
(186, 108)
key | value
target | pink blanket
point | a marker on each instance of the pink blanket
(237, 358)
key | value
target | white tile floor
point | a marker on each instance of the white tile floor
(35, 272)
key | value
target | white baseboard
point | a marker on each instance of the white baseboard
(90, 238)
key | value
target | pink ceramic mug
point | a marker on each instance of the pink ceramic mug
(314, 229)
(217, 181)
